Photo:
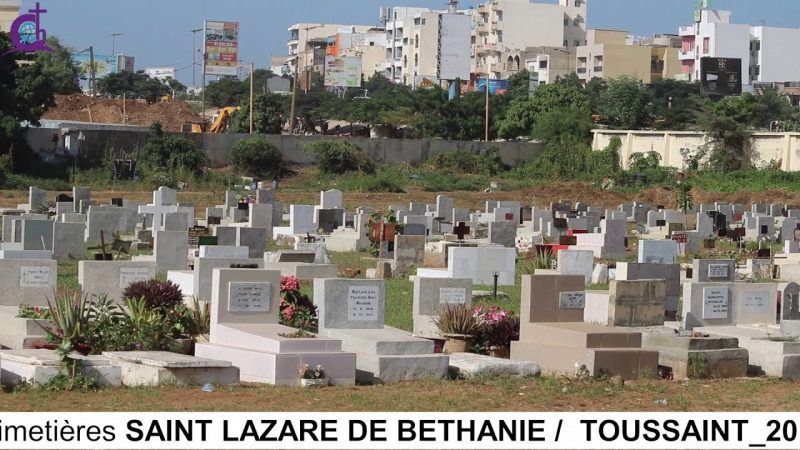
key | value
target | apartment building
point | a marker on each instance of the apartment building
(506, 31)
(369, 46)
(308, 43)
(548, 65)
(9, 10)
(424, 44)
(612, 53)
(762, 49)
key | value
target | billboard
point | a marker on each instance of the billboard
(454, 46)
(720, 77)
(221, 48)
(343, 71)
(160, 73)
(104, 65)
(496, 87)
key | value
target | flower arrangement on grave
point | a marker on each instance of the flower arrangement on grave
(308, 372)
(297, 310)
(497, 327)
(33, 312)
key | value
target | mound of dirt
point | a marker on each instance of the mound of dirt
(78, 107)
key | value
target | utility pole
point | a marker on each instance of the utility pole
(252, 69)
(486, 131)
(194, 55)
(91, 71)
(114, 44)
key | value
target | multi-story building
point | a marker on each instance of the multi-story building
(550, 64)
(424, 44)
(9, 10)
(398, 22)
(307, 41)
(369, 46)
(762, 49)
(612, 54)
(505, 29)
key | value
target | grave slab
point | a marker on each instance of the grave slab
(166, 368)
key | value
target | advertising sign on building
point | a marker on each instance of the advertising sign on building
(160, 73)
(343, 71)
(221, 48)
(103, 64)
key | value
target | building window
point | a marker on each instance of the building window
(566, 21)
(543, 64)
(706, 45)
(566, 43)
(577, 43)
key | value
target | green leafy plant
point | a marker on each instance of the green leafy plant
(157, 294)
(456, 320)
(256, 157)
(338, 157)
(148, 327)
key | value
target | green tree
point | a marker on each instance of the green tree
(563, 124)
(59, 67)
(226, 91)
(257, 157)
(133, 85)
(268, 115)
(625, 104)
(26, 92)
(522, 112)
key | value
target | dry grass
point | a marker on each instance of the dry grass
(493, 394)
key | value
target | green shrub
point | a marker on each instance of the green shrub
(339, 156)
(487, 162)
(166, 156)
(256, 157)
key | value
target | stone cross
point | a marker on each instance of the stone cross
(461, 230)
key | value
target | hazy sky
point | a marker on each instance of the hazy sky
(157, 31)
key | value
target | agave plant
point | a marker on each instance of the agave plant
(456, 320)
(71, 315)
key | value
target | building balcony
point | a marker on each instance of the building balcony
(580, 70)
(686, 31)
(496, 7)
(483, 28)
(598, 69)
(686, 54)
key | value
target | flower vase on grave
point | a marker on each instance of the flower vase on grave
(457, 343)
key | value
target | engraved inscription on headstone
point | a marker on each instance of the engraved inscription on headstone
(654, 260)
(455, 296)
(128, 275)
(715, 303)
(717, 271)
(572, 300)
(34, 277)
(249, 297)
(755, 302)
(362, 303)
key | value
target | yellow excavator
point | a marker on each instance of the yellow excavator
(218, 125)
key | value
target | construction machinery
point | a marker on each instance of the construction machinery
(222, 119)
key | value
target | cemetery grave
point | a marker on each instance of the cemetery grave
(706, 293)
